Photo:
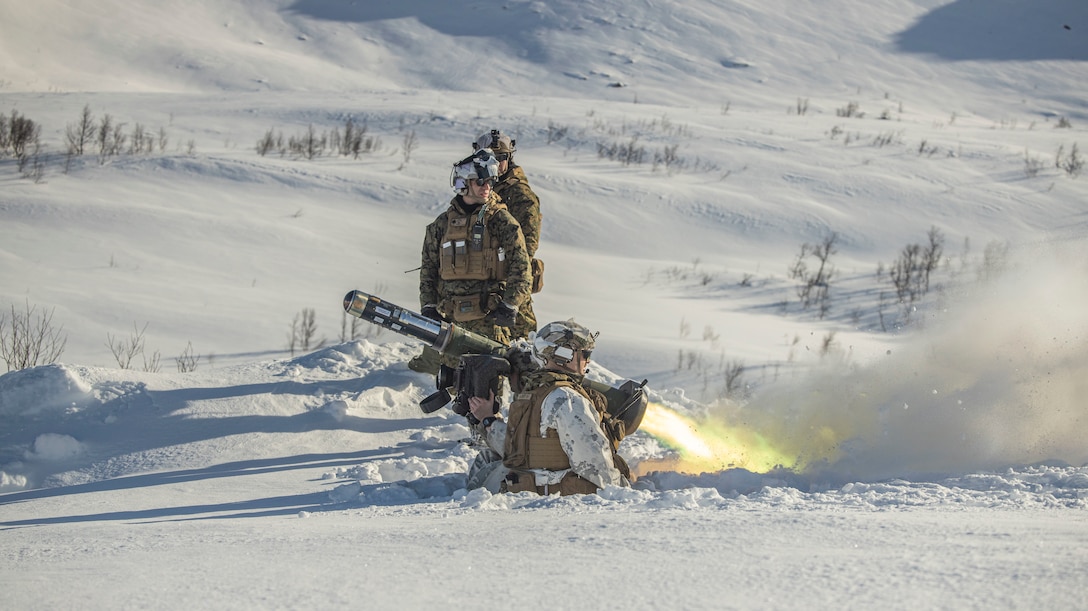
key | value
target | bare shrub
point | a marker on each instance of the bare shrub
(1071, 164)
(28, 338)
(187, 361)
(271, 141)
(304, 332)
(882, 140)
(625, 153)
(815, 286)
(850, 110)
(408, 146)
(80, 135)
(309, 145)
(733, 375)
(1032, 165)
(910, 273)
(5, 136)
(827, 343)
(22, 138)
(125, 350)
(556, 132)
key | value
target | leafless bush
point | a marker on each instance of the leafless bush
(625, 153)
(556, 132)
(125, 350)
(668, 158)
(408, 146)
(80, 135)
(21, 137)
(110, 138)
(815, 286)
(309, 144)
(187, 361)
(887, 138)
(271, 141)
(142, 141)
(28, 338)
(1071, 164)
(910, 273)
(733, 374)
(304, 332)
(850, 110)
(1064, 123)
(827, 343)
(1032, 165)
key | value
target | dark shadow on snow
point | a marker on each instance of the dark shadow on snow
(280, 505)
(1001, 30)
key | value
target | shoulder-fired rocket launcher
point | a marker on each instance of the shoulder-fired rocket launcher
(626, 402)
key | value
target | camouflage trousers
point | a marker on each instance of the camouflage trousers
(526, 321)
(429, 360)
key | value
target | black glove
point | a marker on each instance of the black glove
(504, 315)
(431, 311)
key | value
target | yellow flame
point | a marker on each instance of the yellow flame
(709, 446)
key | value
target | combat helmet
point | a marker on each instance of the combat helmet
(501, 144)
(479, 166)
(560, 340)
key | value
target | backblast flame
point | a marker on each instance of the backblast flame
(707, 446)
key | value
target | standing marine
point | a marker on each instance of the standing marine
(475, 269)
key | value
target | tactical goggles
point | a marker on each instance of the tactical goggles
(485, 181)
(502, 156)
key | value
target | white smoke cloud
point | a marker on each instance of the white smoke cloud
(998, 378)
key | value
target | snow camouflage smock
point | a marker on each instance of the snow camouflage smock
(524, 205)
(513, 289)
(568, 414)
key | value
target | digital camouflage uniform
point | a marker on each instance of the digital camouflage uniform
(524, 205)
(434, 290)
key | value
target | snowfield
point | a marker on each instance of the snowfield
(927, 452)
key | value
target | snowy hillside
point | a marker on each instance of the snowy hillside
(891, 446)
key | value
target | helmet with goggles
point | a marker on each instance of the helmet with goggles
(480, 166)
(498, 142)
(560, 341)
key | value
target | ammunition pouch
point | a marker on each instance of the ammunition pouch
(463, 308)
(537, 267)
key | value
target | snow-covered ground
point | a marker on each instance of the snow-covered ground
(922, 456)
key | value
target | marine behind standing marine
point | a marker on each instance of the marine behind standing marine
(513, 187)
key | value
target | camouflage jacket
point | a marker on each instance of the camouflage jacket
(514, 290)
(519, 198)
